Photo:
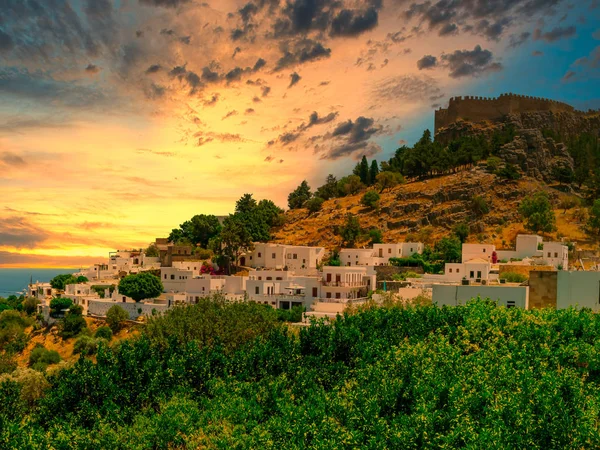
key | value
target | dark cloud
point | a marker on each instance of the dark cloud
(164, 3)
(269, 158)
(249, 111)
(260, 63)
(314, 119)
(304, 50)
(592, 61)
(18, 232)
(486, 18)
(350, 139)
(288, 138)
(555, 34)
(206, 137)
(154, 91)
(167, 32)
(353, 23)
(448, 29)
(568, 76)
(229, 114)
(12, 159)
(209, 75)
(185, 39)
(463, 63)
(265, 90)
(517, 40)
(427, 62)
(91, 68)
(255, 99)
(212, 100)
(153, 68)
(234, 74)
(294, 79)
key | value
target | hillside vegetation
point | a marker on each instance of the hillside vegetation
(427, 210)
(231, 376)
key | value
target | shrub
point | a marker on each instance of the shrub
(203, 253)
(493, 163)
(30, 305)
(86, 346)
(314, 204)
(509, 172)
(115, 317)
(376, 236)
(58, 304)
(72, 324)
(537, 212)
(60, 281)
(479, 205)
(40, 358)
(351, 230)
(513, 277)
(291, 315)
(104, 332)
(370, 199)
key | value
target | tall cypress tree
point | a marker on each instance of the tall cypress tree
(364, 170)
(373, 172)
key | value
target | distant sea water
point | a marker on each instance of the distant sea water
(14, 281)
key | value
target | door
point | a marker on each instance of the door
(328, 277)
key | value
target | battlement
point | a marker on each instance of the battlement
(476, 109)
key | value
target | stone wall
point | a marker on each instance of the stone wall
(543, 287)
(101, 307)
(523, 269)
(386, 272)
(476, 109)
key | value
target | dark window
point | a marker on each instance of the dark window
(259, 254)
(256, 289)
(273, 255)
(338, 295)
(315, 292)
(172, 277)
(479, 274)
(328, 295)
(472, 274)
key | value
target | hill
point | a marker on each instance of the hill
(555, 152)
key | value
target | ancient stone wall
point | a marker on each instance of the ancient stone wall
(476, 109)
(543, 289)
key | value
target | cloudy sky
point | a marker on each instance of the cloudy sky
(119, 119)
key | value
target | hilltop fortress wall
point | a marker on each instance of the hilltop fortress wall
(476, 109)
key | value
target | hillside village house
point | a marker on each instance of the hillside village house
(532, 246)
(279, 256)
(347, 282)
(380, 254)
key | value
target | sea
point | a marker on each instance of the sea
(15, 281)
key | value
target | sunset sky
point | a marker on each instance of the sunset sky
(119, 119)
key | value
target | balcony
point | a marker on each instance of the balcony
(348, 301)
(344, 283)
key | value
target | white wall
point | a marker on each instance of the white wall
(472, 251)
(578, 288)
(174, 279)
(100, 308)
(450, 295)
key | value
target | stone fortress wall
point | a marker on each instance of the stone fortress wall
(476, 109)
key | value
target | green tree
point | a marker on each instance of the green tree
(509, 172)
(59, 304)
(140, 286)
(388, 180)
(81, 279)
(246, 204)
(594, 217)
(537, 212)
(461, 231)
(376, 236)
(152, 251)
(30, 305)
(370, 199)
(60, 281)
(314, 204)
(198, 230)
(104, 332)
(234, 240)
(351, 230)
(364, 171)
(373, 172)
(73, 323)
(449, 249)
(479, 206)
(350, 185)
(329, 189)
(115, 317)
(299, 196)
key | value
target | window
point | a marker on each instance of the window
(389, 250)
(272, 255)
(278, 278)
(259, 278)
(484, 250)
(124, 298)
(259, 254)
(269, 278)
(295, 256)
(172, 277)
(303, 261)
(479, 274)
(256, 289)
(315, 292)
(338, 295)
(450, 270)
(250, 257)
(556, 254)
(472, 274)
(510, 304)
(457, 270)
(203, 289)
(328, 295)
(165, 276)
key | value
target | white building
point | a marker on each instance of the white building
(477, 251)
(132, 261)
(360, 257)
(380, 254)
(280, 256)
(175, 279)
(532, 246)
(282, 289)
(347, 282)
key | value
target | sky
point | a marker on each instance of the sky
(120, 119)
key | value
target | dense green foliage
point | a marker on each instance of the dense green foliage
(72, 324)
(300, 195)
(537, 212)
(461, 231)
(115, 316)
(370, 199)
(196, 231)
(58, 304)
(12, 331)
(513, 277)
(594, 217)
(478, 376)
(314, 204)
(60, 281)
(140, 286)
(40, 358)
(104, 333)
(351, 230)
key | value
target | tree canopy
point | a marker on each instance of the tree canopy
(537, 211)
(141, 286)
(299, 196)
(196, 231)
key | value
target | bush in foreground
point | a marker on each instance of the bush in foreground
(218, 375)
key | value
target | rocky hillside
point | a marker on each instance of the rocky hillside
(427, 210)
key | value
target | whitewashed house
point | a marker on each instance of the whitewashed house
(347, 282)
